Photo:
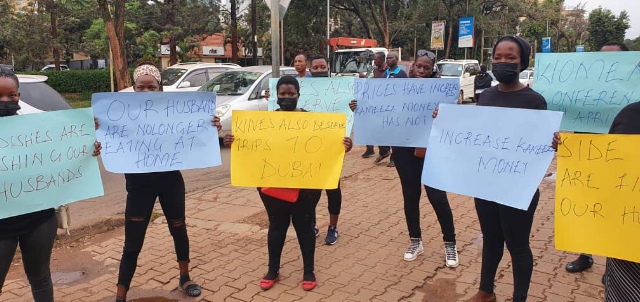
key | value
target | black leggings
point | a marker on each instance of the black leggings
(36, 247)
(334, 202)
(409, 169)
(500, 224)
(281, 213)
(142, 191)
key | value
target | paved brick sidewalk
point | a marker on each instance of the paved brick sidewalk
(227, 228)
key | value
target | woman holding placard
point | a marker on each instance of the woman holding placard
(501, 223)
(409, 162)
(142, 191)
(285, 205)
(34, 232)
(622, 282)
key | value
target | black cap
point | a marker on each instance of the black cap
(525, 49)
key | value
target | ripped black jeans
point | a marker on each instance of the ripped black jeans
(142, 191)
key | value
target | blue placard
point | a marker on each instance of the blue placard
(321, 95)
(546, 45)
(46, 161)
(589, 87)
(156, 131)
(398, 112)
(465, 32)
(493, 153)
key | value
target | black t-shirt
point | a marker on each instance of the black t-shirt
(524, 98)
(396, 73)
(627, 121)
(482, 81)
(22, 224)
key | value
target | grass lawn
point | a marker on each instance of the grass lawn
(78, 100)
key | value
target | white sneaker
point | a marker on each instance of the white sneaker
(415, 248)
(451, 254)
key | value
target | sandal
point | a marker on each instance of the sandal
(191, 288)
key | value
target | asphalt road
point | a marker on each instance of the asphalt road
(90, 211)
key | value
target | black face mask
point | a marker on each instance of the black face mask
(322, 74)
(506, 72)
(9, 108)
(287, 104)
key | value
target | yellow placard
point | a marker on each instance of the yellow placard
(597, 206)
(287, 149)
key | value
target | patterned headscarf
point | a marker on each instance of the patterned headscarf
(147, 69)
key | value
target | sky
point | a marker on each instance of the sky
(616, 6)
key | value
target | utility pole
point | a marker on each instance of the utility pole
(328, 29)
(275, 38)
(254, 39)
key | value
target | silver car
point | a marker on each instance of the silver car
(241, 89)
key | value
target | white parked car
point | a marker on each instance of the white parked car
(465, 70)
(241, 89)
(526, 77)
(189, 76)
(36, 96)
(52, 67)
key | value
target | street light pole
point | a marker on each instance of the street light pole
(328, 29)
(275, 38)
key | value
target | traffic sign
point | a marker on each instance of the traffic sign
(283, 5)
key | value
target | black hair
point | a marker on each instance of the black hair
(318, 57)
(8, 73)
(288, 80)
(380, 54)
(622, 46)
(146, 63)
(525, 49)
(301, 54)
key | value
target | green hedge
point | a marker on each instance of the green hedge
(80, 81)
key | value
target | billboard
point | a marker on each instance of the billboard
(465, 32)
(437, 34)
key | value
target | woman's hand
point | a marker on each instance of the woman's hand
(96, 148)
(435, 113)
(216, 122)
(95, 121)
(348, 144)
(556, 141)
(353, 105)
(228, 140)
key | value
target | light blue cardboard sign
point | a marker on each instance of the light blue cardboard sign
(397, 112)
(321, 95)
(156, 131)
(493, 153)
(589, 87)
(46, 161)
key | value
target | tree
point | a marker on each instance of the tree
(114, 26)
(605, 27)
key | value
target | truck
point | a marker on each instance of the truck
(353, 57)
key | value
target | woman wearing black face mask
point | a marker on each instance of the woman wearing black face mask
(286, 205)
(500, 223)
(35, 232)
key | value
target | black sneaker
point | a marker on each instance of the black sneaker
(381, 157)
(367, 154)
(582, 263)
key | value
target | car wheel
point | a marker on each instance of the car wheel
(460, 97)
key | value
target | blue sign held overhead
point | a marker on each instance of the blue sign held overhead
(546, 45)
